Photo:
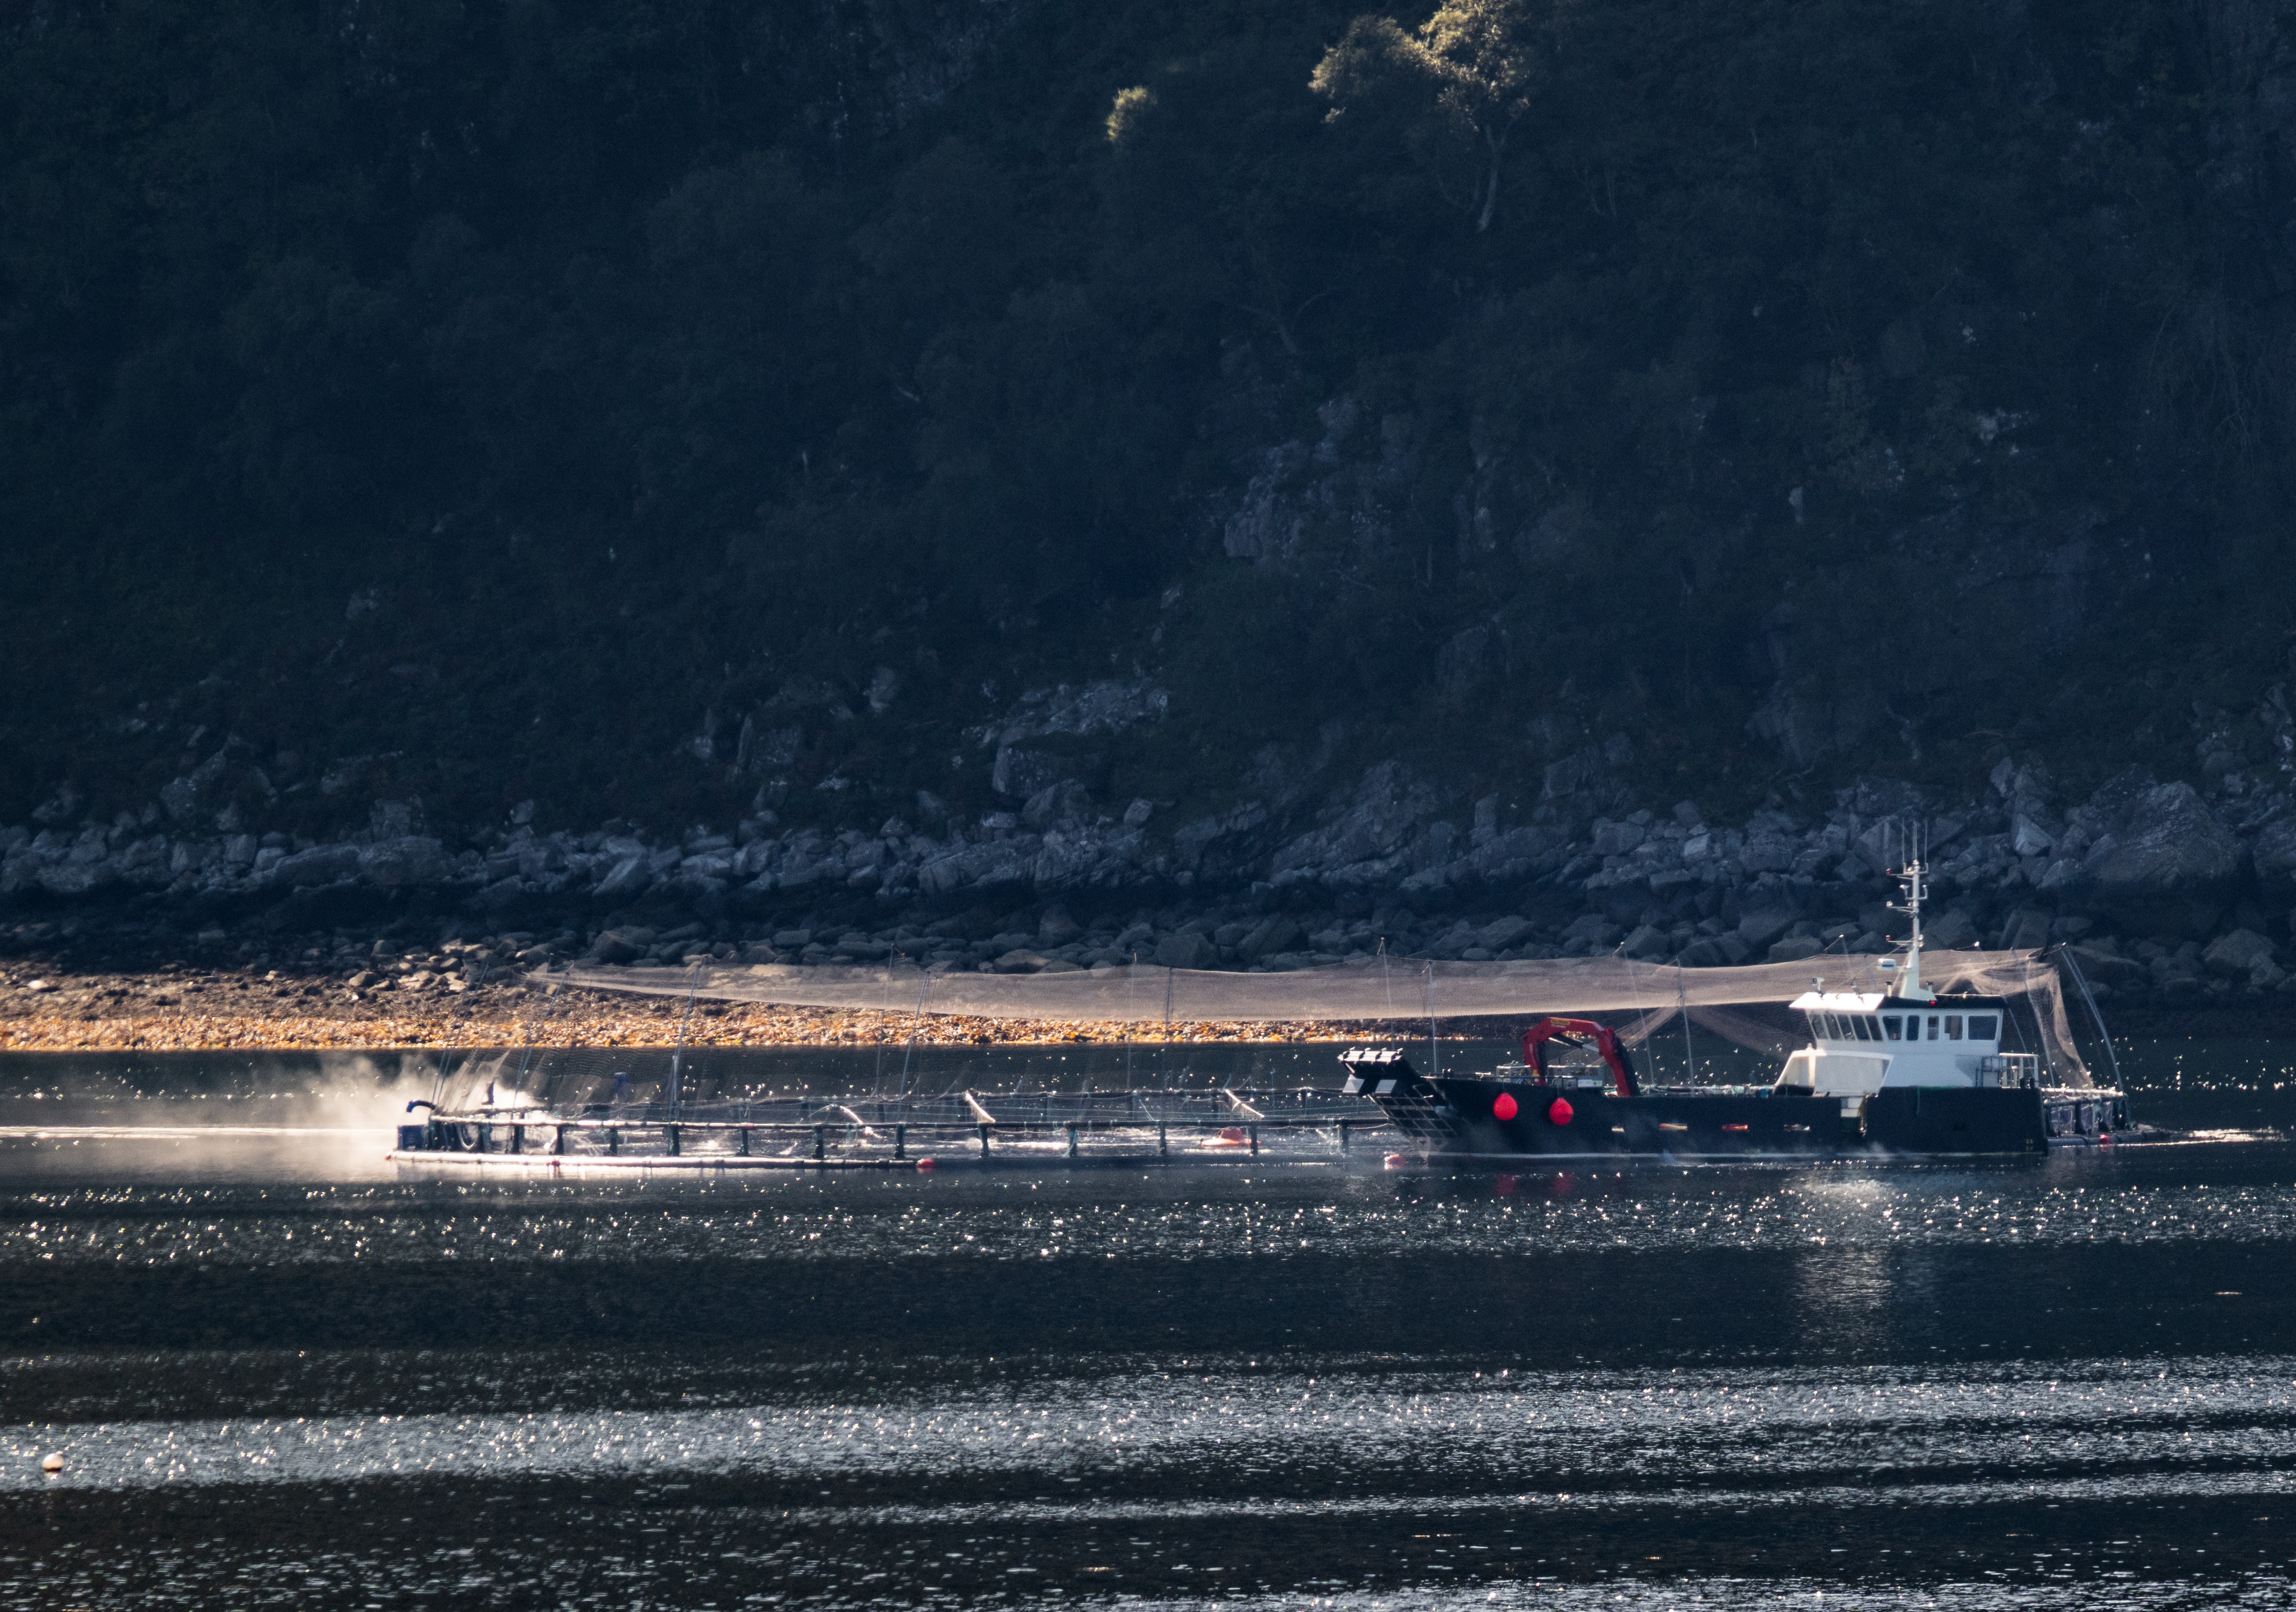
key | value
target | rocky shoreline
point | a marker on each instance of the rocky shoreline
(2168, 895)
(312, 1008)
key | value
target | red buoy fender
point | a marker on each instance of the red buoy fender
(1504, 1109)
(924, 1166)
(1559, 1112)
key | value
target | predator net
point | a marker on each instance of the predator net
(1407, 992)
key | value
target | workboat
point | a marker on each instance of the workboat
(1900, 1072)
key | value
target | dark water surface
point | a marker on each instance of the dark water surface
(281, 1374)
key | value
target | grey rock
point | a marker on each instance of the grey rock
(1953, 931)
(1616, 839)
(621, 945)
(1503, 932)
(1187, 948)
(1717, 951)
(1020, 960)
(1768, 854)
(1272, 936)
(2275, 858)
(1594, 930)
(792, 940)
(1796, 946)
(628, 876)
(1067, 799)
(714, 863)
(1648, 941)
(2024, 928)
(320, 865)
(2165, 862)
(2027, 837)
(74, 879)
(1621, 895)
(1764, 925)
(407, 860)
(2234, 955)
(501, 894)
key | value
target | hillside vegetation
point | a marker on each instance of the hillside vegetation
(660, 411)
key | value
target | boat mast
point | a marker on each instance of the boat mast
(1909, 985)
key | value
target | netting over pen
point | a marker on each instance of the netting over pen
(1374, 991)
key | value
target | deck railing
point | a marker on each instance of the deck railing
(858, 1129)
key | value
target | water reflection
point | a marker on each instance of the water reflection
(282, 1373)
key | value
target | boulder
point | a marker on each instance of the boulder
(2236, 955)
(1616, 839)
(2165, 863)
(1622, 894)
(2275, 858)
(2107, 967)
(1648, 942)
(320, 865)
(1186, 948)
(1954, 931)
(1274, 935)
(621, 945)
(1768, 854)
(1596, 930)
(2027, 837)
(1021, 961)
(1023, 772)
(1056, 928)
(1760, 928)
(1503, 932)
(1720, 950)
(411, 859)
(626, 878)
(2025, 928)
(1796, 946)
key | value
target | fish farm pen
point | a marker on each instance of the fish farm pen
(901, 1132)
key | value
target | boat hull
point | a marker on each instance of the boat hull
(1593, 1123)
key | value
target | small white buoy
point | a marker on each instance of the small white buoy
(51, 1462)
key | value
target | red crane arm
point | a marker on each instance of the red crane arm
(1606, 1042)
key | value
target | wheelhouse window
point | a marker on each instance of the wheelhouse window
(1952, 1026)
(1890, 1027)
(1933, 1026)
(1984, 1027)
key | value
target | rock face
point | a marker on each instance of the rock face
(2173, 895)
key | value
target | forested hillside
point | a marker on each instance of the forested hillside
(679, 410)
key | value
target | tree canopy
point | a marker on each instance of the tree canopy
(529, 402)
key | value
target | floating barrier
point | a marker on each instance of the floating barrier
(956, 1130)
